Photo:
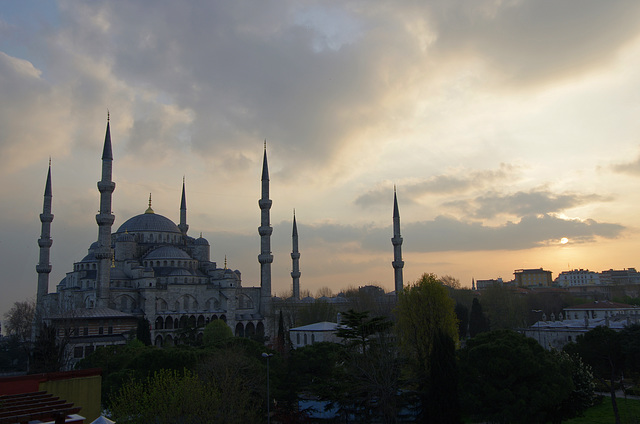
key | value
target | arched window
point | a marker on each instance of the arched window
(168, 324)
(305, 339)
(239, 330)
(159, 323)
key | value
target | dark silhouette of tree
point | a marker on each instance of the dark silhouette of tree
(478, 322)
(442, 404)
(49, 350)
(357, 328)
(509, 378)
(601, 348)
(142, 332)
(462, 313)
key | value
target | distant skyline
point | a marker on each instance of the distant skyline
(506, 127)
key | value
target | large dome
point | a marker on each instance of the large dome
(149, 222)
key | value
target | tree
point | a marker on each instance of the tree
(450, 281)
(509, 378)
(443, 404)
(423, 309)
(216, 331)
(462, 313)
(478, 322)
(317, 311)
(49, 350)
(168, 396)
(357, 328)
(425, 316)
(143, 333)
(505, 308)
(601, 348)
(19, 320)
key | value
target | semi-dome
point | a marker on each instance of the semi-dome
(167, 252)
(149, 222)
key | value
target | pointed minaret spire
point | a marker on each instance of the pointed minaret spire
(265, 258)
(105, 219)
(295, 259)
(149, 209)
(183, 212)
(43, 268)
(397, 263)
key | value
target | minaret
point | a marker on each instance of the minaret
(265, 258)
(183, 212)
(44, 267)
(295, 258)
(105, 219)
(397, 263)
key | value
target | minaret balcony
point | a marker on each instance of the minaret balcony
(265, 230)
(43, 268)
(396, 240)
(265, 203)
(106, 186)
(105, 218)
(265, 258)
(45, 242)
(398, 264)
(46, 217)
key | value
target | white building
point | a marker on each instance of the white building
(314, 333)
(578, 277)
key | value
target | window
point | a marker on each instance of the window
(101, 330)
(297, 338)
(88, 350)
(305, 339)
(110, 330)
(85, 331)
(77, 352)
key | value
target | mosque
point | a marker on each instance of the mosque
(151, 268)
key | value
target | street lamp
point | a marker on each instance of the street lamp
(267, 356)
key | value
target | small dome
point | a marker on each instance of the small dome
(167, 252)
(149, 222)
(201, 242)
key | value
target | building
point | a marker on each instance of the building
(149, 268)
(532, 278)
(314, 333)
(577, 278)
(554, 333)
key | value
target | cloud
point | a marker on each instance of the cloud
(533, 202)
(530, 42)
(457, 182)
(629, 168)
(445, 233)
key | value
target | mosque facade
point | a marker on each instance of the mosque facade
(151, 268)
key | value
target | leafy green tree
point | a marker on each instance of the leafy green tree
(509, 378)
(478, 322)
(583, 395)
(425, 316)
(357, 328)
(423, 309)
(239, 376)
(215, 332)
(505, 308)
(601, 348)
(167, 397)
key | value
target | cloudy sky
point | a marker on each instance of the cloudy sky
(506, 126)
